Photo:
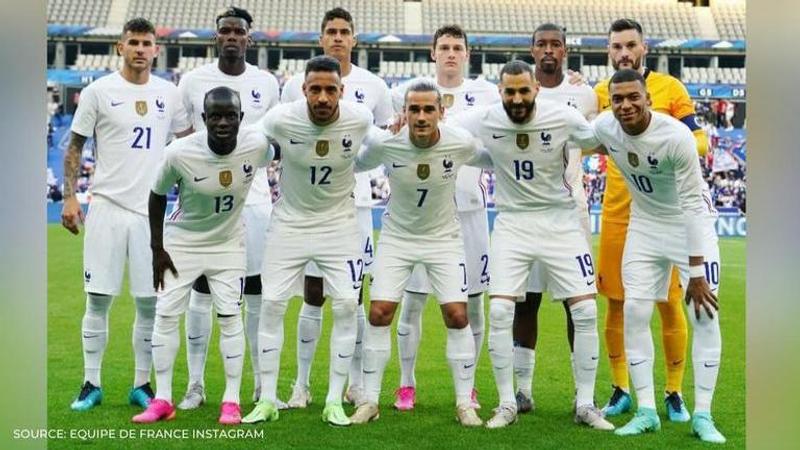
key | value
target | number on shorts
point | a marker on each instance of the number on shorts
(523, 170)
(356, 271)
(642, 183)
(585, 262)
(422, 194)
(464, 271)
(324, 172)
(485, 271)
(223, 203)
(140, 133)
(368, 247)
(712, 272)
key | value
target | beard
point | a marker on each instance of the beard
(510, 111)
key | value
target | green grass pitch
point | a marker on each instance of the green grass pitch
(430, 425)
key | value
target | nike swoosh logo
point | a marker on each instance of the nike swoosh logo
(401, 334)
(636, 363)
(358, 342)
(677, 362)
(589, 283)
(595, 358)
(196, 179)
(710, 365)
(292, 141)
(234, 356)
(267, 350)
(613, 149)
(306, 341)
(614, 356)
(467, 366)
(367, 264)
(148, 340)
(89, 336)
(369, 371)
(344, 356)
(113, 103)
(397, 166)
(498, 136)
(191, 338)
(464, 289)
(157, 346)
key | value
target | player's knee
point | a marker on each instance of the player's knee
(252, 285)
(637, 313)
(584, 316)
(381, 314)
(312, 292)
(98, 304)
(456, 318)
(145, 308)
(201, 285)
(166, 324)
(501, 314)
(230, 325)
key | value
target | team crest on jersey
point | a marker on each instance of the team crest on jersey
(161, 107)
(470, 99)
(255, 98)
(225, 178)
(523, 140)
(322, 148)
(633, 159)
(447, 164)
(572, 101)
(360, 96)
(546, 138)
(423, 171)
(247, 168)
(141, 107)
(448, 100)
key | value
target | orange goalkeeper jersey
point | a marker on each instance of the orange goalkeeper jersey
(669, 96)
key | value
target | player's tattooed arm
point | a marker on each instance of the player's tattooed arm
(156, 208)
(72, 214)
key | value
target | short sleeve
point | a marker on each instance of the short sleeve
(371, 151)
(292, 89)
(682, 105)
(180, 117)
(167, 174)
(384, 110)
(85, 118)
(185, 92)
(581, 131)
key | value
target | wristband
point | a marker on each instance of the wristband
(697, 271)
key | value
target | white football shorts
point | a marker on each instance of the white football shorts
(537, 281)
(653, 247)
(256, 222)
(475, 231)
(112, 236)
(441, 260)
(555, 240)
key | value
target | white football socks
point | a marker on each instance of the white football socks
(270, 344)
(343, 342)
(309, 328)
(356, 373)
(232, 347)
(166, 340)
(524, 364)
(409, 329)
(142, 338)
(587, 347)
(639, 349)
(377, 349)
(706, 355)
(252, 305)
(94, 332)
(198, 335)
(477, 323)
(501, 348)
(461, 358)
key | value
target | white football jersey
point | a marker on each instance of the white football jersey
(662, 173)
(212, 190)
(258, 91)
(360, 86)
(470, 192)
(317, 165)
(530, 159)
(582, 98)
(422, 180)
(131, 124)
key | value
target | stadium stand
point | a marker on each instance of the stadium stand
(661, 18)
(384, 16)
(78, 12)
(729, 15)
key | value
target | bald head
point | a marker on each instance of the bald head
(221, 95)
